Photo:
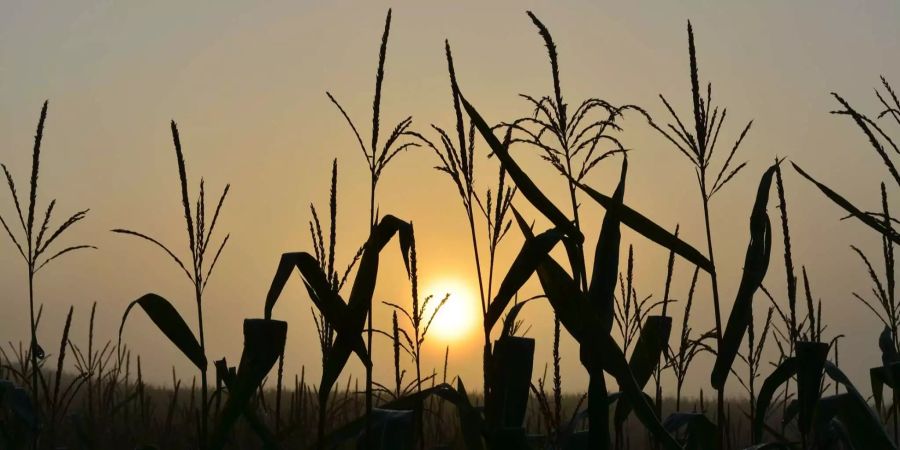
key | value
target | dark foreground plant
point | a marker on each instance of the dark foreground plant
(34, 246)
(160, 310)
(347, 318)
(585, 312)
(378, 155)
(698, 145)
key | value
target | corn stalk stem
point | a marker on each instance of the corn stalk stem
(720, 393)
(34, 360)
(369, 319)
(204, 406)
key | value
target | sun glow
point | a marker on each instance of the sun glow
(459, 316)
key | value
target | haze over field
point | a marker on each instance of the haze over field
(246, 84)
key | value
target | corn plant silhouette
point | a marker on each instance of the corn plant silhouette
(680, 359)
(881, 143)
(699, 146)
(576, 306)
(457, 160)
(161, 311)
(420, 319)
(348, 318)
(324, 252)
(573, 143)
(377, 159)
(882, 222)
(34, 246)
(418, 315)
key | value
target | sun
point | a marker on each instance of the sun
(459, 316)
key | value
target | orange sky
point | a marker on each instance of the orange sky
(246, 83)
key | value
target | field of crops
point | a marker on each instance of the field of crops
(631, 345)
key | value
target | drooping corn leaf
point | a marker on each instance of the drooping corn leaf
(645, 357)
(583, 323)
(323, 296)
(787, 369)
(352, 324)
(530, 256)
(333, 308)
(169, 321)
(649, 229)
(872, 222)
(389, 226)
(524, 184)
(264, 341)
(558, 285)
(756, 263)
(606, 259)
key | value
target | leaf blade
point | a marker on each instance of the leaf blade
(756, 263)
(169, 322)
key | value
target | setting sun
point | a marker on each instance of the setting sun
(459, 316)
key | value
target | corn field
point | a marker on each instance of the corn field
(91, 393)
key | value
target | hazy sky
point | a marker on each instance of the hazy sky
(246, 82)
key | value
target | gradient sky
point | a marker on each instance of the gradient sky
(246, 82)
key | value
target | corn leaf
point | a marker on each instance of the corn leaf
(606, 259)
(878, 378)
(645, 357)
(509, 322)
(862, 426)
(756, 263)
(352, 324)
(527, 261)
(264, 341)
(851, 209)
(169, 321)
(811, 357)
(512, 361)
(583, 323)
(699, 430)
(323, 296)
(326, 300)
(524, 184)
(415, 402)
(649, 229)
(787, 369)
